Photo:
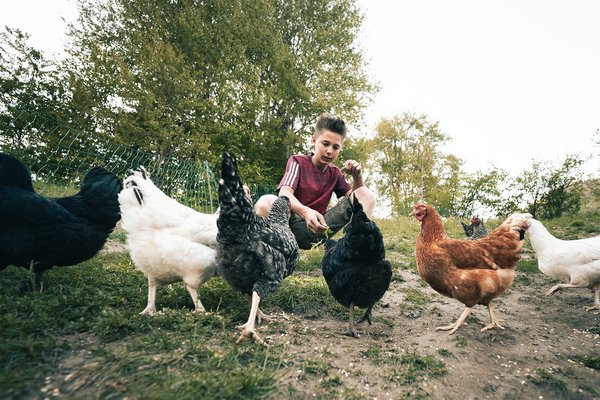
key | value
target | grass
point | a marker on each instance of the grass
(82, 335)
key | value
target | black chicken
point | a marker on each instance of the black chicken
(468, 229)
(39, 232)
(354, 266)
(254, 254)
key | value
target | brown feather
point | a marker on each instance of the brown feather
(473, 272)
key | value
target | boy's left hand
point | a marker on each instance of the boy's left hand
(352, 167)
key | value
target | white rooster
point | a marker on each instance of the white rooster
(168, 241)
(575, 262)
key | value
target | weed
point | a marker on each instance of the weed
(590, 361)
(460, 341)
(373, 353)
(414, 367)
(445, 353)
(595, 329)
(331, 382)
(544, 377)
(316, 368)
(415, 296)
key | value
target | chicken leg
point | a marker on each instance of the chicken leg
(351, 331)
(198, 306)
(453, 327)
(151, 307)
(596, 305)
(556, 288)
(367, 316)
(495, 322)
(248, 328)
(259, 314)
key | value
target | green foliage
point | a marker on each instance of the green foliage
(551, 191)
(410, 161)
(194, 78)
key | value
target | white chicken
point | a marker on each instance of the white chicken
(168, 242)
(575, 262)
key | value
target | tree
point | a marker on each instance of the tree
(408, 163)
(550, 191)
(564, 190)
(34, 96)
(192, 77)
(482, 191)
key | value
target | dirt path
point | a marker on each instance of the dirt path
(540, 354)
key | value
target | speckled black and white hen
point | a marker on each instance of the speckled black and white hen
(479, 230)
(355, 268)
(254, 254)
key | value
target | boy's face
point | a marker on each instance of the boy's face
(327, 147)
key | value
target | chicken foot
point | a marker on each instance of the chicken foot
(453, 327)
(596, 305)
(351, 331)
(494, 322)
(247, 329)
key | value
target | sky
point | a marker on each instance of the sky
(510, 81)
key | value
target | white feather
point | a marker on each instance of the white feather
(576, 262)
(168, 242)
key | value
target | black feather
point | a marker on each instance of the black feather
(355, 267)
(254, 253)
(49, 232)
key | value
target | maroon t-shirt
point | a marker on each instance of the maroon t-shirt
(313, 187)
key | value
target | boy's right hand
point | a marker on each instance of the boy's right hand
(315, 221)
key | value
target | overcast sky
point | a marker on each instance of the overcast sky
(508, 81)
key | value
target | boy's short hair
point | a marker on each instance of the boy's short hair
(329, 122)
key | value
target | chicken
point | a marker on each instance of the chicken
(168, 242)
(479, 230)
(470, 271)
(40, 232)
(476, 230)
(575, 262)
(254, 254)
(468, 229)
(355, 268)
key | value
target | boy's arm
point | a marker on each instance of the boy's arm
(314, 220)
(355, 169)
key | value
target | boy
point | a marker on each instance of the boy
(310, 180)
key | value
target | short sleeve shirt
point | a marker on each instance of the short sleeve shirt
(313, 187)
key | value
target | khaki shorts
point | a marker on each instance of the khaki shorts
(336, 217)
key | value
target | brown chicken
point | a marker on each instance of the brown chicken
(470, 271)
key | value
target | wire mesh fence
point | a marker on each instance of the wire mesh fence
(58, 156)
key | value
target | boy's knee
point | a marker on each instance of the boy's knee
(367, 199)
(263, 204)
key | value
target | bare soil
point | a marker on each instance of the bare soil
(539, 355)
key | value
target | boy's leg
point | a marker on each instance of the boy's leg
(263, 204)
(336, 217)
(367, 199)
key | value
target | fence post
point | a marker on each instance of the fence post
(208, 178)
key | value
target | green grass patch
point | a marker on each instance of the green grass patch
(460, 341)
(546, 378)
(590, 361)
(415, 296)
(411, 368)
